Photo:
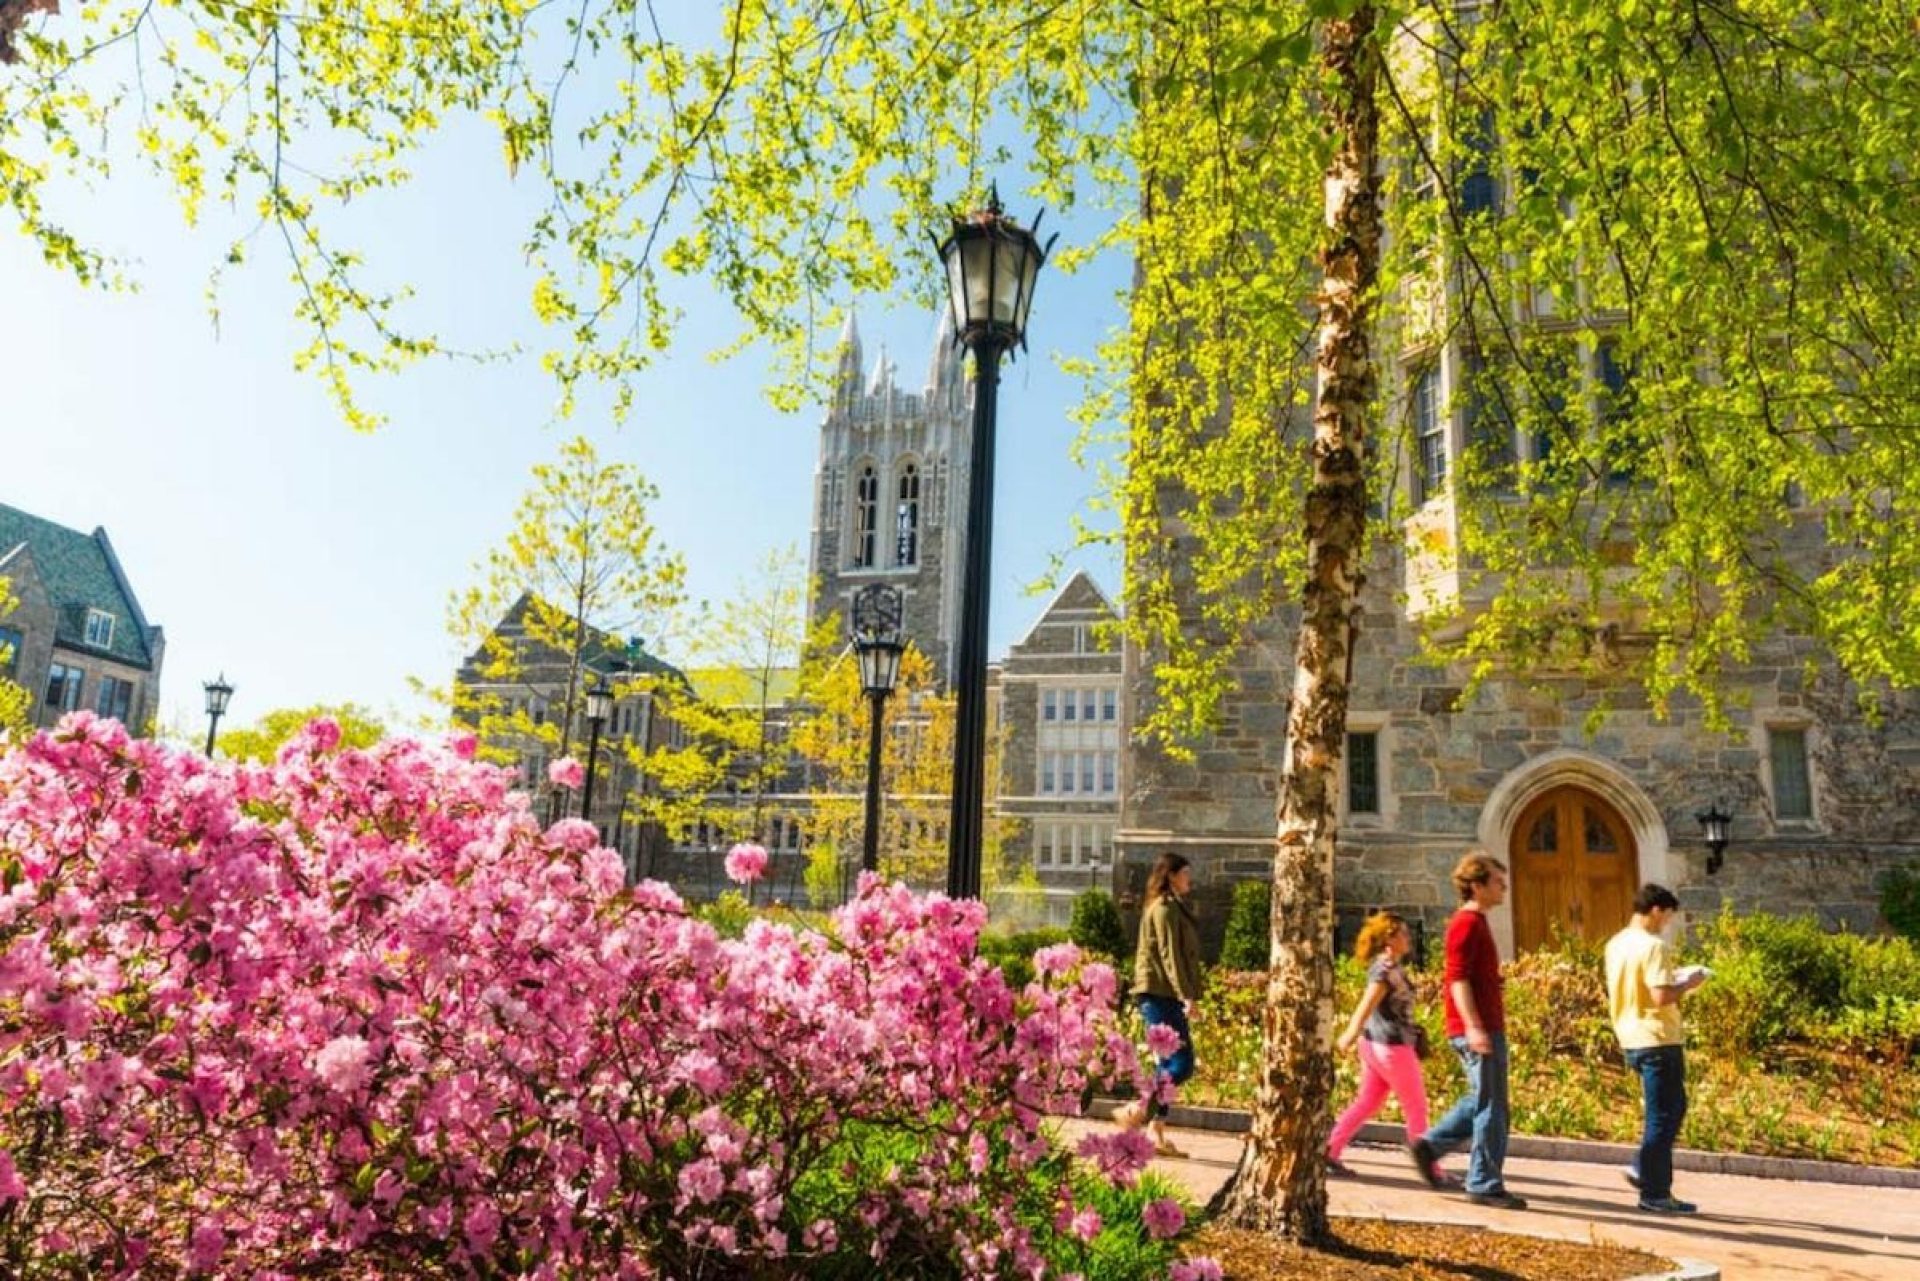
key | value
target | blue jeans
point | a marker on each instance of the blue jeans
(1663, 1085)
(1480, 1116)
(1172, 1012)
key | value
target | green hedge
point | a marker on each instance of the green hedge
(1249, 939)
(1013, 953)
(1096, 928)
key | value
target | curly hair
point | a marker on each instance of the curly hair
(1373, 936)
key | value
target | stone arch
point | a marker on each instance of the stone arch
(1571, 767)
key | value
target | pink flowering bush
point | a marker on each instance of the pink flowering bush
(357, 1014)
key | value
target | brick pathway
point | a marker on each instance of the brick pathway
(1754, 1229)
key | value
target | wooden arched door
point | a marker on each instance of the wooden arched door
(1575, 869)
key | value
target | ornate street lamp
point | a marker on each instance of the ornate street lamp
(1715, 826)
(991, 262)
(218, 693)
(599, 711)
(878, 640)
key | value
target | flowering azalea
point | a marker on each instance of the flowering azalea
(567, 772)
(357, 1013)
(746, 863)
(1162, 1041)
(1163, 1218)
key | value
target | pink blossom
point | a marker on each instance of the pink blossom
(464, 746)
(12, 1187)
(746, 863)
(1086, 1224)
(1201, 1269)
(1163, 1042)
(567, 772)
(206, 1245)
(342, 1063)
(1163, 1218)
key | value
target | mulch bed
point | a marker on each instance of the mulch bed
(1370, 1249)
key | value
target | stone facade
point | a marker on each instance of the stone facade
(76, 637)
(890, 492)
(1062, 720)
(1823, 798)
(538, 687)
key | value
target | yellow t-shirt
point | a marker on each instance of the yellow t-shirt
(1636, 964)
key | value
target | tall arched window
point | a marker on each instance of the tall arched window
(866, 515)
(906, 521)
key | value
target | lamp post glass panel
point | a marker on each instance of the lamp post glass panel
(218, 693)
(878, 642)
(599, 710)
(1716, 826)
(991, 263)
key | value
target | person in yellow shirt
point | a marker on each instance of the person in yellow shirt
(1643, 997)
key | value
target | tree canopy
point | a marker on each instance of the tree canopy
(262, 740)
(1716, 193)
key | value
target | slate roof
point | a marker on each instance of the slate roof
(80, 572)
(604, 652)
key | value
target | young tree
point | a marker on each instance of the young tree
(16, 700)
(580, 568)
(261, 741)
(1669, 247)
(916, 755)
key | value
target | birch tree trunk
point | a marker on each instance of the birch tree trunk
(1281, 1182)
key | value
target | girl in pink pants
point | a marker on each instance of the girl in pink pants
(1385, 1033)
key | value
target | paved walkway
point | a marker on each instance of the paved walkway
(1754, 1229)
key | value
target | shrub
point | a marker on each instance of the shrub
(357, 1013)
(1775, 978)
(1013, 952)
(1096, 927)
(1249, 938)
(1900, 901)
(1557, 1002)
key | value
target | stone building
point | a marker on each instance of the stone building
(536, 687)
(76, 636)
(890, 491)
(1062, 720)
(1568, 774)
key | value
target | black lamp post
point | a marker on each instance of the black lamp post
(218, 692)
(1715, 825)
(991, 262)
(599, 710)
(878, 641)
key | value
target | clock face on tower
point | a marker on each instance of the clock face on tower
(878, 610)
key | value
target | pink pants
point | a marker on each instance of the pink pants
(1383, 1068)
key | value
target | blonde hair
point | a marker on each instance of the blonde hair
(1474, 868)
(1375, 934)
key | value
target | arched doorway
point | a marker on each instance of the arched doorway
(1575, 867)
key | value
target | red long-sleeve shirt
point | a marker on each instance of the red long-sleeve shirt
(1471, 955)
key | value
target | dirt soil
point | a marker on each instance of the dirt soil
(1379, 1250)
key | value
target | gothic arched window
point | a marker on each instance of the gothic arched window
(866, 515)
(906, 522)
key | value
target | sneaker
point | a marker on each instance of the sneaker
(1504, 1200)
(1667, 1205)
(1427, 1162)
(1339, 1170)
(1632, 1177)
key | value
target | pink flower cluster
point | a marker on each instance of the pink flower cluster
(357, 1014)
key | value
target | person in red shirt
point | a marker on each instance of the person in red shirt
(1477, 1028)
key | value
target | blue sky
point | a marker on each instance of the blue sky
(313, 564)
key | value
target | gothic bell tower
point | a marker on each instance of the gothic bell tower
(884, 507)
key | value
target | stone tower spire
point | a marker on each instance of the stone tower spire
(889, 459)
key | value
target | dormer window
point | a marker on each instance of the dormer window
(99, 629)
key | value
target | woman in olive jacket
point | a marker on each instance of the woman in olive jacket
(1166, 980)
